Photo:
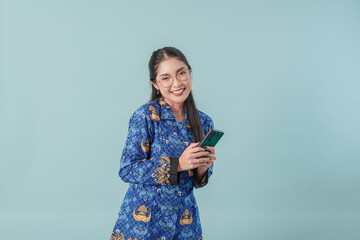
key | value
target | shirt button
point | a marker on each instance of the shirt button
(169, 228)
(176, 192)
(173, 209)
(181, 140)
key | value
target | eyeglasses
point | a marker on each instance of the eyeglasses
(167, 80)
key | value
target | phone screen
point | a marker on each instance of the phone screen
(211, 138)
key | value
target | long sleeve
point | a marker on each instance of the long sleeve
(208, 124)
(139, 163)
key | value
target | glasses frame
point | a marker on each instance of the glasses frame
(172, 78)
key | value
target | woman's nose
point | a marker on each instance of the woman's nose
(176, 82)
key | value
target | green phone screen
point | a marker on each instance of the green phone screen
(212, 138)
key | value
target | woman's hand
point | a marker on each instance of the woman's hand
(202, 169)
(196, 157)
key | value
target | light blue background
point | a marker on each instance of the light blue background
(281, 78)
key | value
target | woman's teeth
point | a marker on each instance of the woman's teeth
(179, 91)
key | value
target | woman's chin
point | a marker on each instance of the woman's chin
(178, 99)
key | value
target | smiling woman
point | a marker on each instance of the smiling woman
(162, 160)
(175, 92)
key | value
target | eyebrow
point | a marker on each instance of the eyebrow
(176, 71)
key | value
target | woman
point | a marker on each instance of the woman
(161, 159)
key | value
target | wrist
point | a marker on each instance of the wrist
(201, 171)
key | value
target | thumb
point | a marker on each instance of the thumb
(194, 144)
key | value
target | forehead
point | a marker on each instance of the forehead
(170, 65)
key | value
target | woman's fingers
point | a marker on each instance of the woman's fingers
(194, 144)
(202, 161)
(200, 154)
(203, 149)
(204, 155)
(212, 156)
(212, 149)
(195, 156)
(197, 149)
(207, 163)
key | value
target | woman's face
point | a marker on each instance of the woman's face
(171, 67)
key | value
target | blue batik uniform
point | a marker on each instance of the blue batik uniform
(159, 203)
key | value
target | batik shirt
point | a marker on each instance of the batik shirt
(159, 203)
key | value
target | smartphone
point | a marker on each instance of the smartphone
(211, 138)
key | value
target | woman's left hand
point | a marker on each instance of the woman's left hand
(212, 157)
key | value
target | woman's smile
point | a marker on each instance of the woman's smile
(178, 92)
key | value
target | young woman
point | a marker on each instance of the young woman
(161, 159)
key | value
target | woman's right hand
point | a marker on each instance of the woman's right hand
(193, 157)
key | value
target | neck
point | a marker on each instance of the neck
(178, 110)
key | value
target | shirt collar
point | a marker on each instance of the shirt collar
(167, 112)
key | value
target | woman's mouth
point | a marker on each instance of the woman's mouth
(178, 92)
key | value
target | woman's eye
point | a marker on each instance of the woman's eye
(182, 73)
(165, 79)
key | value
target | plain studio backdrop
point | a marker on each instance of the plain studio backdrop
(281, 78)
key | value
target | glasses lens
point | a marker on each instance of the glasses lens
(165, 81)
(184, 75)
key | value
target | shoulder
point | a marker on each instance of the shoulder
(146, 109)
(143, 115)
(140, 121)
(206, 120)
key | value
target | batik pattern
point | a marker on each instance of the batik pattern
(159, 203)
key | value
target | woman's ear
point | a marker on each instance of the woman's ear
(155, 85)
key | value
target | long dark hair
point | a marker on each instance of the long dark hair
(189, 104)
